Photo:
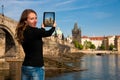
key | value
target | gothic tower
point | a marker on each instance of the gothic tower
(76, 33)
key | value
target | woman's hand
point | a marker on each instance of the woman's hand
(42, 26)
(54, 25)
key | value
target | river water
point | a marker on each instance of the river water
(106, 67)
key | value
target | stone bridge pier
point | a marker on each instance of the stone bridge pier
(2, 46)
(9, 48)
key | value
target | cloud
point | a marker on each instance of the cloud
(102, 15)
(64, 3)
(14, 8)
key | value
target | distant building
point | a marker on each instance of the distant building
(84, 38)
(76, 33)
(117, 43)
(59, 33)
(97, 41)
(109, 40)
(106, 41)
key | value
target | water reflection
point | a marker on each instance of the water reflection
(13, 73)
(105, 67)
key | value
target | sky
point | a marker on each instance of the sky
(94, 17)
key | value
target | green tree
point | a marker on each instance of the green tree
(80, 46)
(88, 44)
(92, 46)
(111, 47)
(102, 47)
(76, 43)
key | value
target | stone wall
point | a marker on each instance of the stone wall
(2, 45)
(12, 48)
(53, 47)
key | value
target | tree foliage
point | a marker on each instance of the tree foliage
(78, 45)
(102, 47)
(92, 46)
(89, 45)
(111, 47)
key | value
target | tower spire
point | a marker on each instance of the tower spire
(2, 10)
(2, 13)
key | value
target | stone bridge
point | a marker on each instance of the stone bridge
(9, 47)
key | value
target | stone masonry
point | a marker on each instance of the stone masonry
(10, 47)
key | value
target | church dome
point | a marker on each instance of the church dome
(58, 31)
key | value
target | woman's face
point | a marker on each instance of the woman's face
(32, 19)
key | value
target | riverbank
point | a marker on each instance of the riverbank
(62, 64)
(97, 52)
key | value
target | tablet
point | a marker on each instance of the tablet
(48, 19)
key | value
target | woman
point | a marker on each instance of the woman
(31, 39)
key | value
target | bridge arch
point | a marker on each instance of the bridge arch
(12, 48)
(10, 43)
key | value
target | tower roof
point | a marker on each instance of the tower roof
(76, 27)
